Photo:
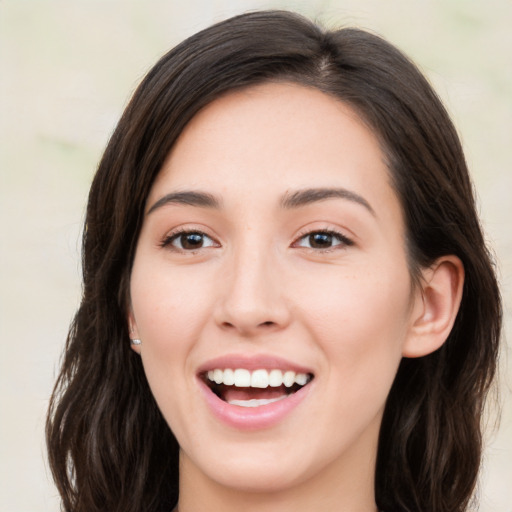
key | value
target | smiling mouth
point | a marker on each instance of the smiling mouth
(246, 388)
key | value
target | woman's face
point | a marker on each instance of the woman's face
(271, 291)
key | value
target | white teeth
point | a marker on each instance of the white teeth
(289, 379)
(218, 376)
(242, 378)
(229, 377)
(275, 378)
(256, 402)
(259, 379)
(301, 379)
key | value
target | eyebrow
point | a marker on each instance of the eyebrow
(290, 200)
(313, 195)
(190, 198)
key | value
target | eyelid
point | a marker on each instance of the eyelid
(169, 238)
(345, 241)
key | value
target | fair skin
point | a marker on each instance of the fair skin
(284, 251)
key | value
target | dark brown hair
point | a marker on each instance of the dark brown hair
(109, 447)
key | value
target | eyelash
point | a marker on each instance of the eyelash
(175, 235)
(343, 240)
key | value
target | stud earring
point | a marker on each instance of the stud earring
(136, 342)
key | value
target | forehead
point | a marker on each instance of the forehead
(275, 137)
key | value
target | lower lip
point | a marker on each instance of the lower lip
(252, 418)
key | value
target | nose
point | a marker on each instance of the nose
(252, 296)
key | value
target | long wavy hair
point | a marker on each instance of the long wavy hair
(109, 447)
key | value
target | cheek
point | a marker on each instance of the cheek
(169, 310)
(167, 305)
(360, 319)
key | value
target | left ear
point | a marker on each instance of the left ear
(436, 306)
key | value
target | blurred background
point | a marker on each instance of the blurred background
(67, 69)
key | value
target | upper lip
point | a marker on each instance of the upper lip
(254, 362)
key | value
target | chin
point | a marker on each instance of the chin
(259, 476)
(266, 466)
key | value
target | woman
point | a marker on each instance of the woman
(288, 303)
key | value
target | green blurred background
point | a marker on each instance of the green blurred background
(67, 68)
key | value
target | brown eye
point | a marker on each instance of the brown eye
(320, 240)
(323, 240)
(189, 241)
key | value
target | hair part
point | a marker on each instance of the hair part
(109, 446)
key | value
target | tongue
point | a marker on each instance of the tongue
(233, 393)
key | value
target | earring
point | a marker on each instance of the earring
(136, 342)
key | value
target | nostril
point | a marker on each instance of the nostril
(229, 325)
